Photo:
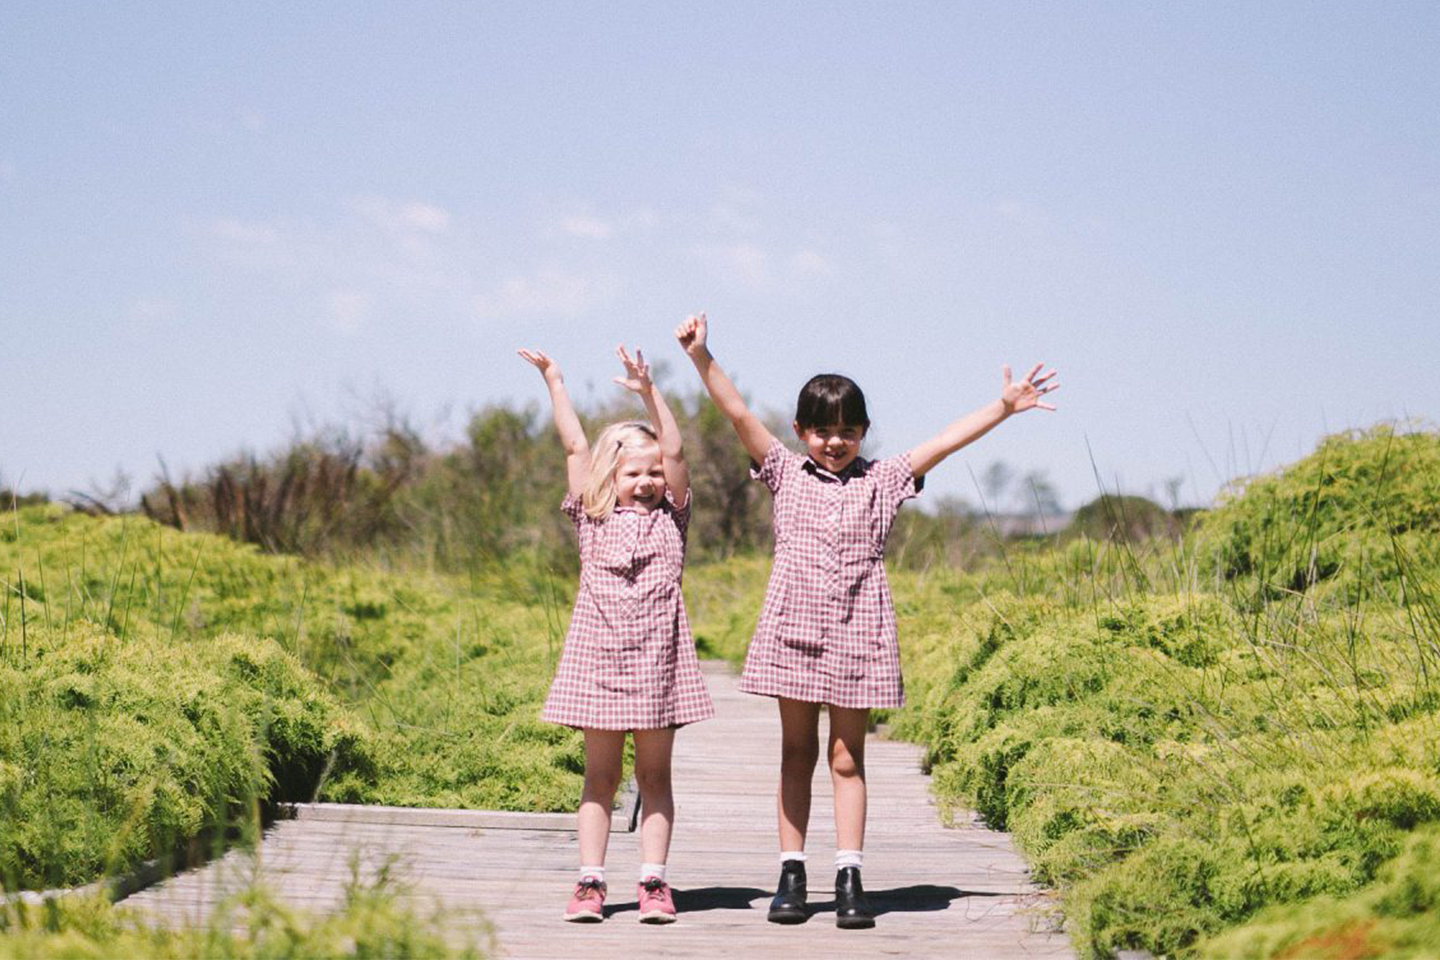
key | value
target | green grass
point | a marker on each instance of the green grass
(114, 752)
(1185, 735)
(371, 921)
(165, 680)
(1222, 743)
(1397, 916)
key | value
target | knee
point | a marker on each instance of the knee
(601, 783)
(846, 765)
(651, 781)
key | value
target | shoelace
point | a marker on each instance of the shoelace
(653, 885)
(589, 885)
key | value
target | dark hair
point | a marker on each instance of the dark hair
(830, 398)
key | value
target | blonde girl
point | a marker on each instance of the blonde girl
(628, 664)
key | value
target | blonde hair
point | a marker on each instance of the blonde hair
(615, 442)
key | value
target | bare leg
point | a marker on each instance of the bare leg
(604, 752)
(847, 773)
(799, 749)
(657, 801)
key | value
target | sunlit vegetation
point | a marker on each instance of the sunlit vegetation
(1215, 734)
(1193, 736)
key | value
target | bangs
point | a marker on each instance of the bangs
(829, 399)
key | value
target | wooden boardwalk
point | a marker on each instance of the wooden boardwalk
(939, 892)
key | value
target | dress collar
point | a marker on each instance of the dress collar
(854, 468)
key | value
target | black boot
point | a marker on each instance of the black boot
(852, 910)
(789, 903)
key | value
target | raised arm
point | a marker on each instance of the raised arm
(1014, 398)
(753, 435)
(567, 424)
(667, 431)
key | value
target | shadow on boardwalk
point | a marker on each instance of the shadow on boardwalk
(938, 892)
(918, 898)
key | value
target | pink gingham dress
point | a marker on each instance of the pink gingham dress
(827, 628)
(629, 661)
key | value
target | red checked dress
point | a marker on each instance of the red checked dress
(629, 661)
(827, 628)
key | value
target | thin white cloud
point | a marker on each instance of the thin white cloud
(406, 217)
(547, 292)
(588, 227)
(373, 254)
(424, 216)
(743, 263)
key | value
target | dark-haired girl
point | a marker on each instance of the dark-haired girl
(826, 634)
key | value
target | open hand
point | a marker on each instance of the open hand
(691, 335)
(637, 371)
(1019, 397)
(544, 364)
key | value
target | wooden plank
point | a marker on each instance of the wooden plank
(435, 817)
(939, 891)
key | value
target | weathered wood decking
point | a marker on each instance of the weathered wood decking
(940, 892)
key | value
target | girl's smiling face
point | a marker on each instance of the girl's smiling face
(640, 479)
(833, 447)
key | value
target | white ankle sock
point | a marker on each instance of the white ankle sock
(792, 855)
(648, 870)
(596, 873)
(849, 858)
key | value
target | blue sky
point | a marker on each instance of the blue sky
(1218, 221)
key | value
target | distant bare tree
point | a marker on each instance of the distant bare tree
(995, 480)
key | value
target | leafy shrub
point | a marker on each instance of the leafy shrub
(367, 687)
(1123, 517)
(1356, 508)
(345, 493)
(115, 752)
(1398, 916)
(1185, 736)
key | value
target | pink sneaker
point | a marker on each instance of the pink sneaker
(656, 906)
(587, 903)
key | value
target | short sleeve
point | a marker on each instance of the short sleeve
(897, 481)
(680, 512)
(573, 507)
(771, 470)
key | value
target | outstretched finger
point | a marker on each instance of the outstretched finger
(1034, 370)
(624, 357)
(1045, 406)
(1005, 372)
(640, 358)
